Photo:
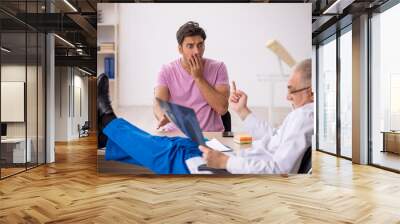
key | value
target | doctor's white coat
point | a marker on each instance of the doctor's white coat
(275, 151)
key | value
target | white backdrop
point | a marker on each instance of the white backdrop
(236, 34)
(12, 101)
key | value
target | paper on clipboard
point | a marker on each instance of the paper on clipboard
(218, 146)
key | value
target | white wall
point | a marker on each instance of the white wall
(67, 116)
(14, 72)
(61, 103)
(236, 35)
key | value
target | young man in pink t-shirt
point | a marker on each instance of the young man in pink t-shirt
(193, 81)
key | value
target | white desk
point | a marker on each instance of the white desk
(18, 151)
(228, 141)
(107, 166)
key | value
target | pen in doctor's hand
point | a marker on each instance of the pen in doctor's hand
(234, 96)
(234, 87)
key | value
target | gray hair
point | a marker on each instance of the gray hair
(304, 67)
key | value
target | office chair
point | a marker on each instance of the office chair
(306, 162)
(84, 130)
(226, 120)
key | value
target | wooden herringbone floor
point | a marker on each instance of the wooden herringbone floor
(70, 191)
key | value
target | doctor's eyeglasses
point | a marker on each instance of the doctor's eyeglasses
(298, 90)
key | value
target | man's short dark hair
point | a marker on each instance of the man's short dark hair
(189, 29)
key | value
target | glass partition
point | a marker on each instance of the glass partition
(327, 96)
(346, 94)
(22, 64)
(13, 104)
(385, 89)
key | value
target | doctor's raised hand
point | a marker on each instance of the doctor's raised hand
(238, 102)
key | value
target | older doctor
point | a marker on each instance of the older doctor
(274, 151)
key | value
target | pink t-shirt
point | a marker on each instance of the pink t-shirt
(183, 90)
